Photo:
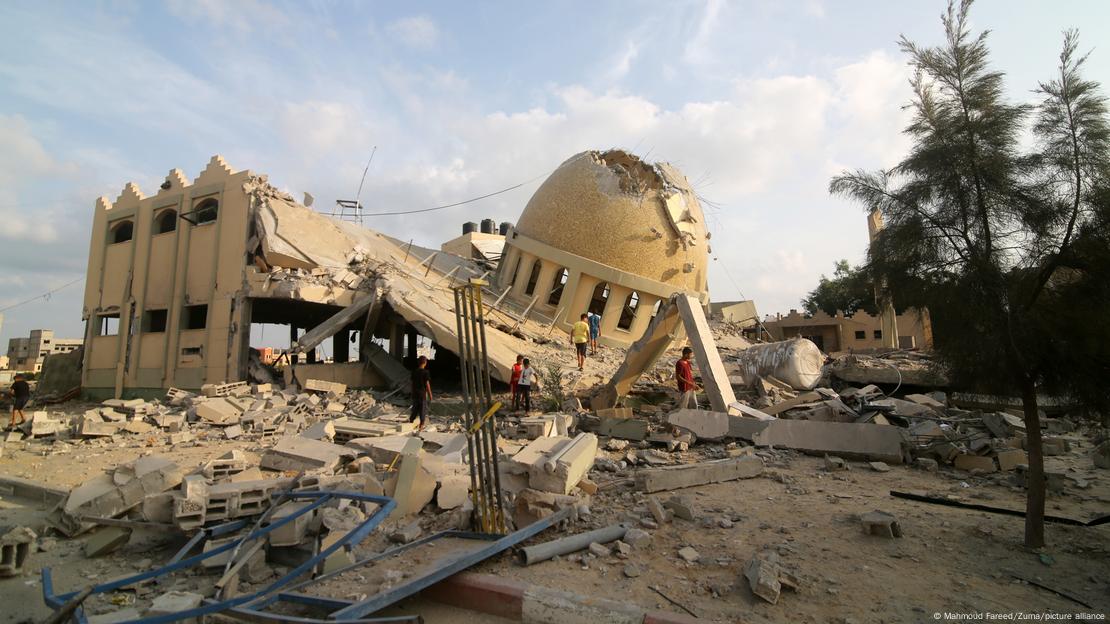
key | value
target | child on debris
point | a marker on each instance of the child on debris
(524, 385)
(20, 393)
(594, 321)
(580, 337)
(684, 373)
(513, 379)
(421, 392)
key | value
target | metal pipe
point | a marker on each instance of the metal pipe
(487, 441)
(572, 543)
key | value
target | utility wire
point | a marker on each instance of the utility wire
(465, 201)
(43, 295)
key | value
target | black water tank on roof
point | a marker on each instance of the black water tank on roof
(505, 225)
(469, 227)
(488, 226)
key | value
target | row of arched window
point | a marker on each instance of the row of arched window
(166, 221)
(597, 301)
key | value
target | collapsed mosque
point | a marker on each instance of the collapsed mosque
(176, 280)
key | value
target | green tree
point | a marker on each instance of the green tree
(1008, 249)
(848, 290)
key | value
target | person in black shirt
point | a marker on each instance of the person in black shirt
(21, 393)
(421, 392)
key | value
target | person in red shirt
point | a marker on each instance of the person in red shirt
(684, 374)
(514, 380)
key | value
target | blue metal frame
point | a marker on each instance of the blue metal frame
(359, 533)
(352, 610)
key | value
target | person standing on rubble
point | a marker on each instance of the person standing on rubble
(421, 392)
(20, 393)
(595, 331)
(580, 337)
(527, 380)
(684, 373)
(514, 379)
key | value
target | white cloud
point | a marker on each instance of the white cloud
(699, 49)
(417, 31)
(622, 63)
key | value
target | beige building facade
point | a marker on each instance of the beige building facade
(28, 354)
(607, 233)
(858, 332)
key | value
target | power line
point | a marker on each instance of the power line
(43, 295)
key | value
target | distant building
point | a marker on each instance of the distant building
(27, 354)
(858, 332)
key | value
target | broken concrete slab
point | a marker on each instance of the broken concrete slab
(107, 540)
(1010, 459)
(705, 425)
(320, 385)
(294, 453)
(975, 462)
(174, 602)
(108, 496)
(689, 475)
(454, 491)
(782, 406)
(881, 523)
(623, 428)
(850, 440)
(766, 577)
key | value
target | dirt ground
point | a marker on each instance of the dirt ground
(948, 562)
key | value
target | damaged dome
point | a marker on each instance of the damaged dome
(613, 208)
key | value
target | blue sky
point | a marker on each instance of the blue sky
(758, 102)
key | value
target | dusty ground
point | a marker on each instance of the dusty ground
(949, 560)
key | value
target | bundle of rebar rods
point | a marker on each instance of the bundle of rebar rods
(480, 419)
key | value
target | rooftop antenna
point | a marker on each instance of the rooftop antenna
(351, 209)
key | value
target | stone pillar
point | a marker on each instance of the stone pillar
(612, 313)
(583, 291)
(546, 281)
(341, 346)
(396, 339)
(643, 315)
(410, 335)
(523, 270)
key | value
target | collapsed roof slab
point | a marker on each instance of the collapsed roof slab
(415, 282)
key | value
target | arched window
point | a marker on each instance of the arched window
(560, 282)
(533, 277)
(628, 312)
(207, 211)
(600, 296)
(166, 221)
(655, 309)
(122, 231)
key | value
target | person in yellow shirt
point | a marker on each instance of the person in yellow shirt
(580, 337)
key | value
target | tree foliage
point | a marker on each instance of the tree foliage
(1008, 248)
(847, 291)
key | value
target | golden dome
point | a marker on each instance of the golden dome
(615, 209)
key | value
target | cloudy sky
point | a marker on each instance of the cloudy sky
(758, 102)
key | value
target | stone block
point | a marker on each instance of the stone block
(681, 507)
(16, 548)
(705, 425)
(319, 385)
(688, 554)
(294, 532)
(219, 411)
(975, 462)
(1101, 455)
(454, 491)
(880, 523)
(624, 428)
(174, 602)
(565, 465)
(701, 473)
(1011, 459)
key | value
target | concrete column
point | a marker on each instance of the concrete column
(643, 315)
(341, 346)
(583, 291)
(546, 281)
(396, 339)
(410, 335)
(523, 270)
(612, 313)
(507, 268)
